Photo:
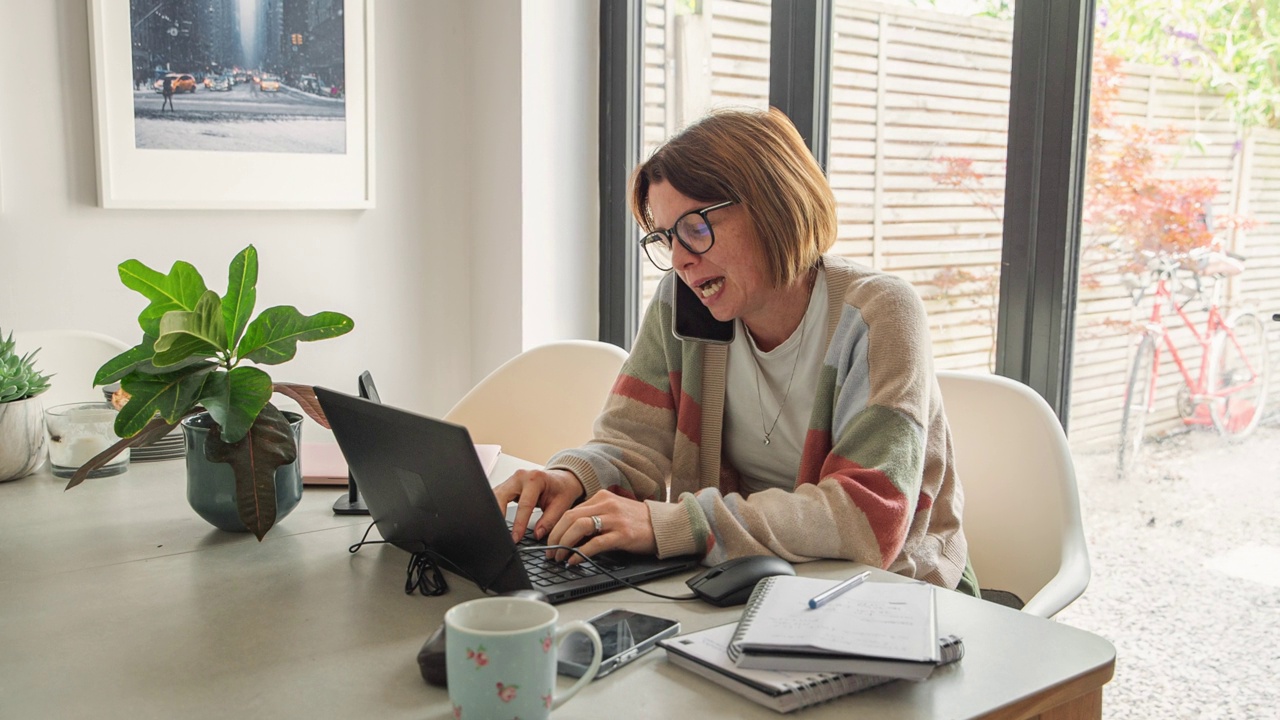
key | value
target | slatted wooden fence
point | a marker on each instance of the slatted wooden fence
(910, 87)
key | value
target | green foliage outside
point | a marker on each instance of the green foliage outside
(1230, 47)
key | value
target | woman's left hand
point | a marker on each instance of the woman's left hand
(624, 525)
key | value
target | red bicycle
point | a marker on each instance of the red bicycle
(1229, 390)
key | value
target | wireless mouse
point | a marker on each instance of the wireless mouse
(731, 582)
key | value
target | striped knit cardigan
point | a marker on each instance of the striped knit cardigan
(875, 485)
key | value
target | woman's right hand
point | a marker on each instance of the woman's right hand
(552, 490)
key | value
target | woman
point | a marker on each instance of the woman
(817, 433)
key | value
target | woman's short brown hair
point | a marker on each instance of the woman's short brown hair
(757, 159)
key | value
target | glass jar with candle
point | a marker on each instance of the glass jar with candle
(79, 431)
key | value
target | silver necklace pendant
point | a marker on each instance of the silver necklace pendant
(796, 363)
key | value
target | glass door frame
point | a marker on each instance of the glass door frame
(1048, 126)
(1044, 193)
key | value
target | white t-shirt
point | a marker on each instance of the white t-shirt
(748, 417)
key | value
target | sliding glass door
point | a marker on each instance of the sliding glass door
(927, 118)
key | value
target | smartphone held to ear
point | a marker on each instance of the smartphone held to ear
(693, 321)
(624, 636)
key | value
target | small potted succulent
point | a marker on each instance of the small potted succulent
(22, 439)
(190, 368)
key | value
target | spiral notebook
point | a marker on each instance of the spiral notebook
(876, 628)
(706, 653)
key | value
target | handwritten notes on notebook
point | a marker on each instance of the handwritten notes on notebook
(891, 620)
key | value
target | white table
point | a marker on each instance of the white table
(118, 601)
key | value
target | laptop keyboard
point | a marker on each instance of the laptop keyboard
(545, 571)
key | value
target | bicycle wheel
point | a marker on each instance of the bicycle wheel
(1137, 403)
(1238, 375)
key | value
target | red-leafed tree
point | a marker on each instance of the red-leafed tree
(1131, 205)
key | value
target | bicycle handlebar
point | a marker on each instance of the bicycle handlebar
(1193, 264)
(1199, 261)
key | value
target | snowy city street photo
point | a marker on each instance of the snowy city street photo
(250, 104)
(239, 75)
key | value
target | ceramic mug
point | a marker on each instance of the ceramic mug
(501, 658)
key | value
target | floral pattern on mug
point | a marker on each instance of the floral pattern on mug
(457, 712)
(546, 700)
(507, 693)
(546, 642)
(478, 656)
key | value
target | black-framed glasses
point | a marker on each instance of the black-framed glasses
(692, 229)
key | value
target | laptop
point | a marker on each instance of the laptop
(427, 492)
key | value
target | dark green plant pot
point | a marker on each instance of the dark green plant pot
(211, 486)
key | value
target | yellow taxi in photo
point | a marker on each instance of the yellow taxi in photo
(270, 83)
(182, 82)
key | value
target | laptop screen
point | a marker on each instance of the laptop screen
(425, 488)
(428, 492)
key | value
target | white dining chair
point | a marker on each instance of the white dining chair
(72, 357)
(1021, 505)
(543, 400)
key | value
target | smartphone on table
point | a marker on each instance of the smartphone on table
(693, 321)
(624, 636)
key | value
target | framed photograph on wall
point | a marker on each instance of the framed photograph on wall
(246, 104)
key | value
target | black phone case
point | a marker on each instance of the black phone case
(691, 320)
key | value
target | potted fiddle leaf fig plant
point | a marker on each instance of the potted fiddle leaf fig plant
(22, 439)
(197, 365)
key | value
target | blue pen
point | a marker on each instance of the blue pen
(826, 597)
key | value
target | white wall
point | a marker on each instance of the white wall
(535, 174)
(436, 277)
(561, 170)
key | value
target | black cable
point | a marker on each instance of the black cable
(429, 560)
(628, 583)
(423, 573)
(356, 547)
(416, 576)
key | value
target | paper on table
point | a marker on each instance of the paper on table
(876, 619)
(323, 463)
(704, 653)
(711, 647)
(488, 457)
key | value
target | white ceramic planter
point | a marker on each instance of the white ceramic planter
(22, 439)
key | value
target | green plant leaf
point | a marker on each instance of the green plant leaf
(272, 338)
(171, 396)
(179, 290)
(126, 362)
(242, 293)
(184, 347)
(199, 332)
(254, 460)
(19, 377)
(149, 367)
(235, 398)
